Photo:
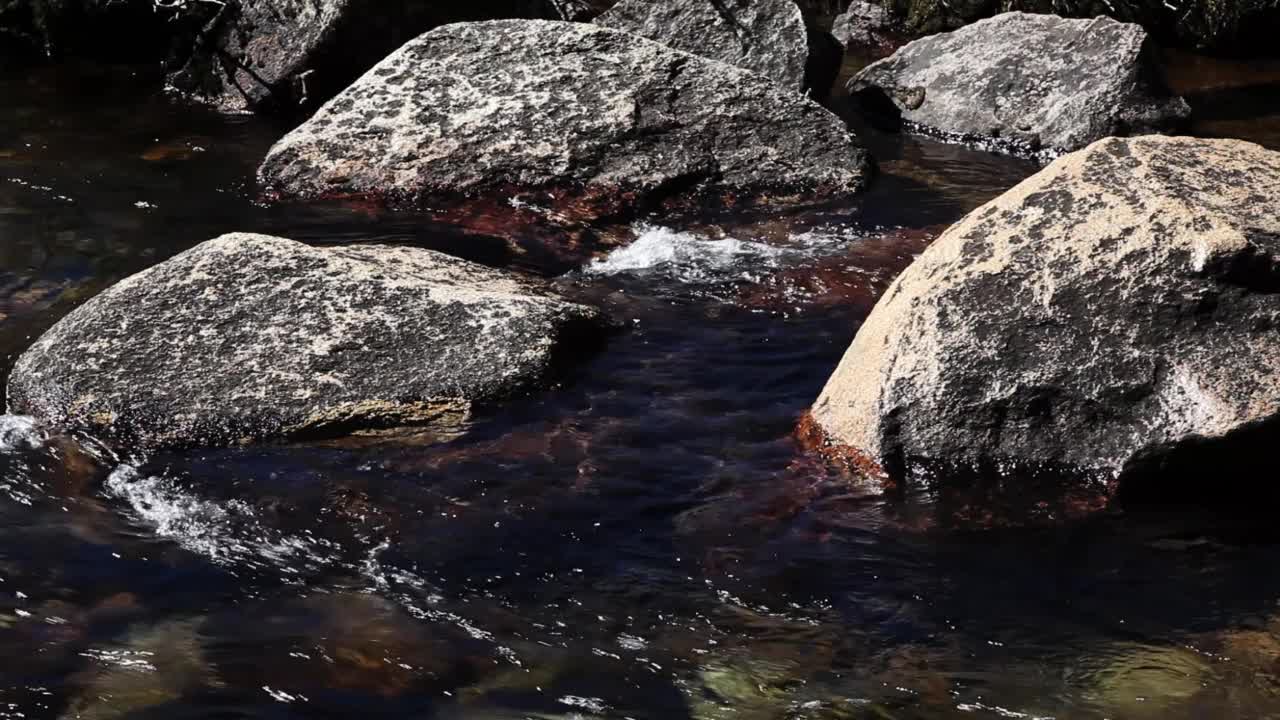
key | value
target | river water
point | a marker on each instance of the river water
(646, 541)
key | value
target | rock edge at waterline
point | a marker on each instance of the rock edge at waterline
(603, 121)
(249, 337)
(1115, 315)
(1029, 84)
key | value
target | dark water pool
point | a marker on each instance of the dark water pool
(648, 541)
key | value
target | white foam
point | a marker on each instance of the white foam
(227, 532)
(692, 258)
(683, 255)
(19, 432)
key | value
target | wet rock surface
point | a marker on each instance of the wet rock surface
(764, 36)
(250, 336)
(1113, 316)
(1028, 83)
(605, 121)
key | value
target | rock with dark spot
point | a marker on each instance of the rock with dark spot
(282, 54)
(602, 119)
(764, 36)
(1114, 316)
(248, 337)
(1031, 83)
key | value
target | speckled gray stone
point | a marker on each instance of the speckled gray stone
(1117, 309)
(862, 24)
(576, 108)
(249, 336)
(1040, 83)
(765, 36)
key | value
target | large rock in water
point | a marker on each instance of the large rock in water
(1118, 312)
(1035, 83)
(281, 54)
(1231, 26)
(765, 36)
(249, 336)
(604, 119)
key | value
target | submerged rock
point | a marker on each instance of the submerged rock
(1115, 314)
(765, 36)
(248, 336)
(1147, 681)
(277, 54)
(1030, 83)
(603, 121)
(352, 642)
(143, 671)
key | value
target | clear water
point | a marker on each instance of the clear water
(647, 541)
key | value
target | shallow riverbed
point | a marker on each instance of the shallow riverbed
(647, 541)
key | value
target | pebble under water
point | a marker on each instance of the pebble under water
(648, 540)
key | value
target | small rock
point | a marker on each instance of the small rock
(1027, 83)
(248, 336)
(863, 25)
(1114, 316)
(606, 122)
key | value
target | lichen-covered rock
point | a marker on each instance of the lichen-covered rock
(605, 119)
(281, 54)
(1033, 83)
(764, 36)
(1233, 26)
(249, 336)
(1116, 314)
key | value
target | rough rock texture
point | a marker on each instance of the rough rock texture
(864, 25)
(1116, 312)
(593, 112)
(1231, 26)
(765, 36)
(281, 54)
(577, 10)
(1033, 82)
(250, 336)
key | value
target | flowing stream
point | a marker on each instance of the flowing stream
(647, 541)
